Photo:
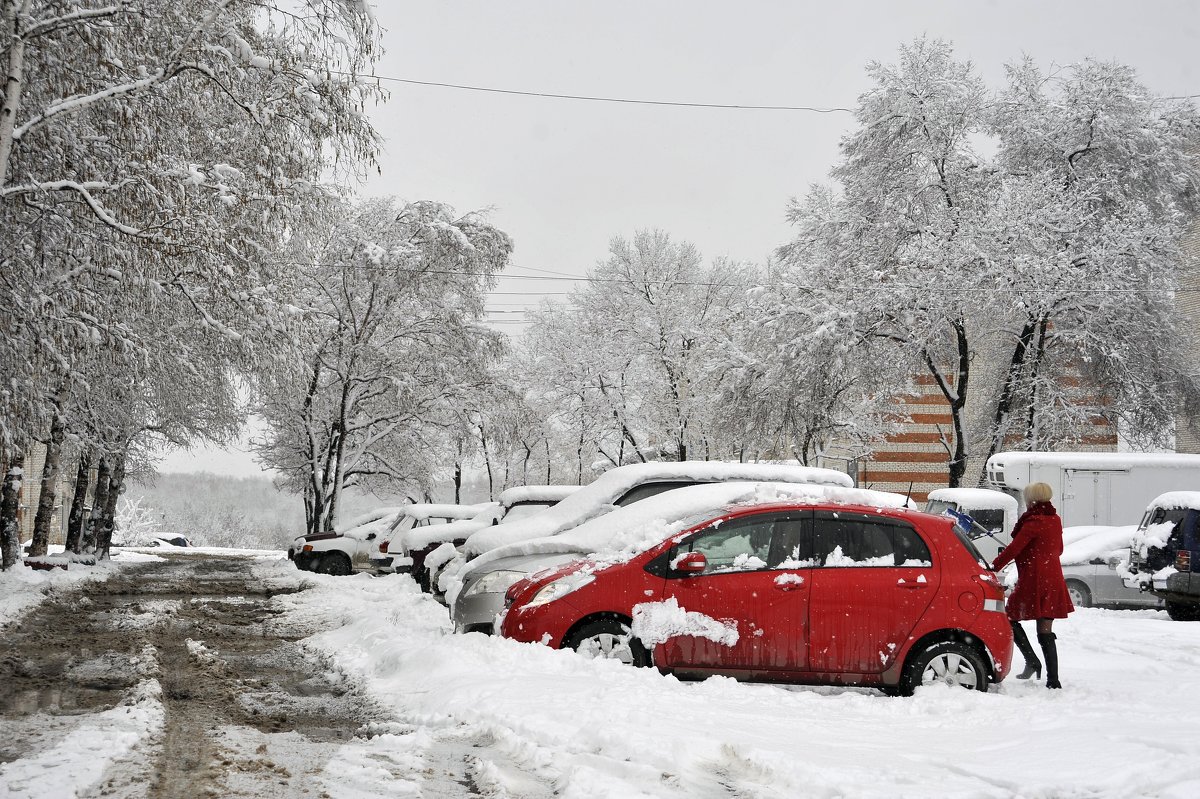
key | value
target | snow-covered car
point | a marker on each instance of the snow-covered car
(1164, 553)
(994, 513)
(514, 504)
(391, 556)
(775, 582)
(341, 552)
(475, 597)
(1092, 561)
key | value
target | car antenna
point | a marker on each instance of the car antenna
(908, 496)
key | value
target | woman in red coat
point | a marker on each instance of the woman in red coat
(1041, 591)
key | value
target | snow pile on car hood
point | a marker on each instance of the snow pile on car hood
(655, 622)
(1083, 544)
(629, 531)
(555, 493)
(597, 497)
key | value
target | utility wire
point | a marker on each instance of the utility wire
(599, 99)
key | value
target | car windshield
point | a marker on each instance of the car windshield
(523, 510)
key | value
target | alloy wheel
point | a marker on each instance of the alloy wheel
(952, 669)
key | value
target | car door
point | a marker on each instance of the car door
(875, 578)
(752, 584)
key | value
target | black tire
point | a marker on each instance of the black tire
(610, 639)
(1081, 595)
(951, 662)
(1183, 611)
(335, 563)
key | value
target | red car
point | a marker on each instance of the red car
(785, 592)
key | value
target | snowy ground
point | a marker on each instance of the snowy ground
(377, 698)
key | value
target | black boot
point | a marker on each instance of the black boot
(1050, 650)
(1032, 664)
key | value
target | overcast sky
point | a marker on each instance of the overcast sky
(563, 177)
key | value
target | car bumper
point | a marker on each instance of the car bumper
(545, 624)
(477, 613)
(383, 565)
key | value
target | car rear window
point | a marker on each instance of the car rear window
(960, 533)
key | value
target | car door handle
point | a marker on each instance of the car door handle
(789, 586)
(911, 586)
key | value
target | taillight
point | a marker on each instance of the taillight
(383, 546)
(1183, 560)
(307, 548)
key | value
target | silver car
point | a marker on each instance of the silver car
(1097, 584)
(482, 595)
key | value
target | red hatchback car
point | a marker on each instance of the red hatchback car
(795, 592)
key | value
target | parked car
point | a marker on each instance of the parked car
(341, 552)
(783, 583)
(391, 557)
(475, 597)
(1164, 553)
(994, 513)
(515, 504)
(1092, 562)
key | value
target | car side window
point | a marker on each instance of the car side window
(849, 540)
(733, 546)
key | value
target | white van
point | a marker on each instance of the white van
(1095, 488)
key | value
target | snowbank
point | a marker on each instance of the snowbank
(592, 728)
(21, 588)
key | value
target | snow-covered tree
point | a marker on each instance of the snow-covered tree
(387, 347)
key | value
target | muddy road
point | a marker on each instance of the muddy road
(196, 651)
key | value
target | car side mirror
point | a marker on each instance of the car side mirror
(691, 563)
(371, 537)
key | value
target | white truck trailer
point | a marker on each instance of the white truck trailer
(1095, 488)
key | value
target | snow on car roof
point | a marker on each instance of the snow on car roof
(975, 498)
(597, 497)
(635, 528)
(376, 522)
(371, 516)
(555, 493)
(1177, 500)
(420, 537)
(1086, 543)
(1097, 460)
(431, 510)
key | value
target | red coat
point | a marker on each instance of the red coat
(1041, 592)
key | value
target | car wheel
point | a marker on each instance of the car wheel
(609, 639)
(1081, 596)
(1183, 611)
(335, 563)
(947, 662)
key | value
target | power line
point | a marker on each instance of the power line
(795, 287)
(599, 99)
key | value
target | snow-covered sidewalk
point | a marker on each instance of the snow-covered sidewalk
(529, 720)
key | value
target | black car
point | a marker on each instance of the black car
(1169, 536)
